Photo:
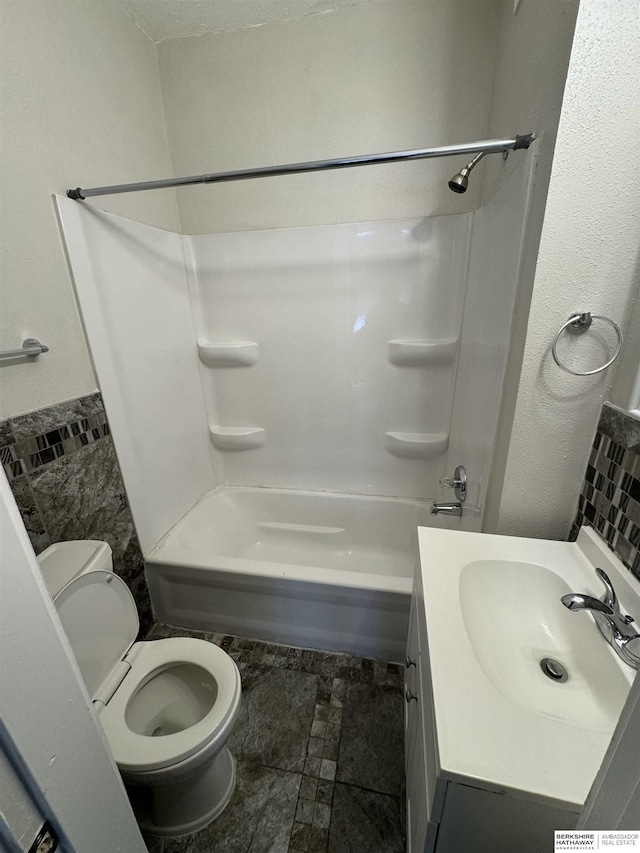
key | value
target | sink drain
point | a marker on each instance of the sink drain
(553, 669)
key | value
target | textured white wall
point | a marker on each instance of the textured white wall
(587, 261)
(80, 104)
(366, 79)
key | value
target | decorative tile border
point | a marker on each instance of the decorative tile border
(23, 452)
(64, 474)
(610, 497)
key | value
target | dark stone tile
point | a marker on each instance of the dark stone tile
(395, 676)
(53, 417)
(308, 788)
(332, 664)
(275, 716)
(73, 489)
(30, 515)
(160, 631)
(328, 769)
(165, 845)
(259, 817)
(324, 791)
(294, 659)
(6, 434)
(318, 840)
(330, 749)
(371, 747)
(82, 497)
(321, 815)
(312, 766)
(365, 821)
(140, 593)
(324, 690)
(315, 746)
(620, 426)
(318, 729)
(211, 637)
(300, 837)
(130, 563)
(304, 810)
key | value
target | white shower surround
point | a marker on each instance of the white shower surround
(341, 346)
(256, 367)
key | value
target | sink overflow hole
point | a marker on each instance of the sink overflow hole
(553, 669)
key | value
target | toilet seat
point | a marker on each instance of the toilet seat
(137, 753)
(100, 619)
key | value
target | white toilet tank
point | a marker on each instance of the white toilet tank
(64, 561)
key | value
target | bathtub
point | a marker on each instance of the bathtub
(311, 569)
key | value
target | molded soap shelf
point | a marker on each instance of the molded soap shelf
(423, 353)
(417, 445)
(229, 354)
(237, 438)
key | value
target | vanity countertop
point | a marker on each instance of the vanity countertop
(493, 611)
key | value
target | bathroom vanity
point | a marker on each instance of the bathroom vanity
(511, 698)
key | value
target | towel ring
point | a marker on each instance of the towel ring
(577, 324)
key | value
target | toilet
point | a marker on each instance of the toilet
(167, 707)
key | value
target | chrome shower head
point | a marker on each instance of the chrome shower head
(460, 182)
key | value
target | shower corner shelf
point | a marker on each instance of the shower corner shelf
(422, 353)
(228, 354)
(237, 438)
(417, 445)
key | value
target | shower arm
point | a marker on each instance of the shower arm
(489, 146)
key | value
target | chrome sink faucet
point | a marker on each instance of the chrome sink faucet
(614, 627)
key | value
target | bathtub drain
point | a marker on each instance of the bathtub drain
(553, 669)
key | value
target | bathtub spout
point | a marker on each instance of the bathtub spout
(454, 508)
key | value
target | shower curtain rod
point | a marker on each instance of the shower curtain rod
(489, 146)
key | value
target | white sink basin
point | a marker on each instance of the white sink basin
(515, 620)
(493, 612)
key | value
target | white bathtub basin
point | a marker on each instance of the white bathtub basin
(320, 570)
(493, 612)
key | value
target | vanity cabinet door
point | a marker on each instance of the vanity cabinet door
(487, 822)
(411, 684)
(415, 759)
(417, 818)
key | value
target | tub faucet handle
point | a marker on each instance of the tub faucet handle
(458, 483)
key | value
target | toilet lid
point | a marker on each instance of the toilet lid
(100, 619)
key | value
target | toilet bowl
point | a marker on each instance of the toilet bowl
(167, 707)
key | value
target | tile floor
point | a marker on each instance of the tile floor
(319, 750)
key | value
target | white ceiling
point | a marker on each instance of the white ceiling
(162, 20)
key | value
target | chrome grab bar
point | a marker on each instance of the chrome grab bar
(30, 347)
